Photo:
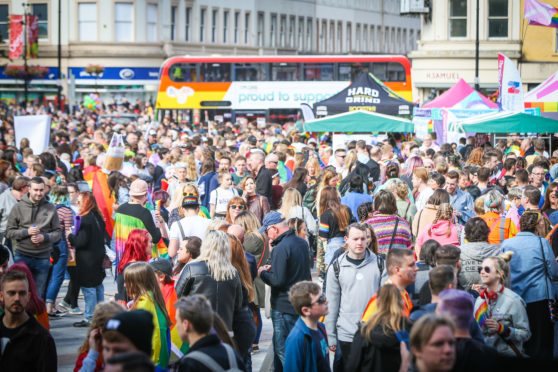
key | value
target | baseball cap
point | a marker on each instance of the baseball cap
(190, 200)
(161, 264)
(252, 140)
(270, 219)
(138, 188)
(136, 325)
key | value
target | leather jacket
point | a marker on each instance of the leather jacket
(225, 296)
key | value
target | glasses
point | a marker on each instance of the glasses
(235, 206)
(485, 268)
(320, 301)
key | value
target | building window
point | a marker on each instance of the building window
(365, 38)
(323, 32)
(308, 33)
(357, 46)
(273, 31)
(331, 37)
(236, 25)
(300, 33)
(372, 38)
(202, 25)
(458, 18)
(348, 43)
(225, 26)
(498, 18)
(41, 11)
(261, 28)
(87, 20)
(123, 28)
(246, 28)
(282, 31)
(339, 37)
(291, 32)
(4, 22)
(173, 22)
(214, 26)
(151, 23)
(188, 20)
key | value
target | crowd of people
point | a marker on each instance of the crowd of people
(400, 255)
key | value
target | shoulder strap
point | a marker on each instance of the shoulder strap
(336, 268)
(381, 264)
(181, 230)
(262, 256)
(418, 223)
(230, 355)
(407, 210)
(394, 231)
(206, 360)
(502, 229)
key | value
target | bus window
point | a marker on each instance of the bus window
(183, 72)
(318, 71)
(250, 72)
(285, 71)
(350, 71)
(215, 72)
(389, 71)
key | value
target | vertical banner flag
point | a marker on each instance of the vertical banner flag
(16, 36)
(540, 14)
(32, 36)
(36, 128)
(509, 82)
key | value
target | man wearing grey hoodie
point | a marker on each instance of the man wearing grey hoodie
(34, 227)
(352, 279)
(474, 251)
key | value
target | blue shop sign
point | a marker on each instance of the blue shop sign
(119, 73)
(51, 75)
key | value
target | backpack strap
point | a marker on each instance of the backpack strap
(181, 230)
(394, 231)
(502, 229)
(336, 268)
(230, 355)
(206, 360)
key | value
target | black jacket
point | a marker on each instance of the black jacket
(90, 250)
(382, 353)
(31, 349)
(210, 345)
(263, 183)
(225, 296)
(290, 264)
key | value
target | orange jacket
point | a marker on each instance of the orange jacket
(499, 227)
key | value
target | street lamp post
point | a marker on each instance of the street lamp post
(59, 86)
(477, 84)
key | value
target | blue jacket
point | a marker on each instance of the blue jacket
(528, 278)
(353, 199)
(300, 351)
(463, 202)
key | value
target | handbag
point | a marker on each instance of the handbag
(552, 305)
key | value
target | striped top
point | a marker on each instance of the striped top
(383, 225)
(66, 218)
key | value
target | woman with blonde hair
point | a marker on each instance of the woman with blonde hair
(143, 289)
(376, 346)
(405, 208)
(500, 312)
(256, 244)
(350, 162)
(291, 206)
(176, 212)
(191, 169)
(213, 275)
(442, 229)
(88, 350)
(236, 205)
(258, 204)
(313, 168)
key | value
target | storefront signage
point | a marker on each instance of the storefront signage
(119, 73)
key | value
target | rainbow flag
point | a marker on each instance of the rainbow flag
(178, 347)
(481, 314)
(98, 183)
(160, 249)
(161, 339)
(540, 14)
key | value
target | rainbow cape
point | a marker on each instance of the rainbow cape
(161, 340)
(178, 347)
(481, 314)
(97, 181)
(160, 249)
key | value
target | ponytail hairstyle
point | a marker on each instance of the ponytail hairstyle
(501, 263)
(444, 213)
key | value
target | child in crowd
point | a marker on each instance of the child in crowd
(219, 198)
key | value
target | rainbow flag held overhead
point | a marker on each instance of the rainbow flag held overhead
(98, 183)
(540, 14)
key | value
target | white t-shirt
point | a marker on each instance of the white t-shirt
(220, 198)
(192, 226)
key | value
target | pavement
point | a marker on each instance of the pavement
(68, 339)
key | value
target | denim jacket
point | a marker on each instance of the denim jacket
(462, 202)
(528, 276)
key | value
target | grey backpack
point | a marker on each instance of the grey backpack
(210, 363)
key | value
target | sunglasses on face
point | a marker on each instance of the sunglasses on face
(485, 268)
(235, 206)
(321, 300)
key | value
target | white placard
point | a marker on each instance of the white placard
(340, 140)
(36, 128)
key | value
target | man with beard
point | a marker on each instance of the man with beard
(24, 344)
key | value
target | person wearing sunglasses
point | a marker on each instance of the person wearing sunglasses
(499, 311)
(236, 205)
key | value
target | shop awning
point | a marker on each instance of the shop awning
(359, 122)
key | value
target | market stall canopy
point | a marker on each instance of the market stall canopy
(365, 93)
(460, 96)
(359, 122)
(508, 122)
